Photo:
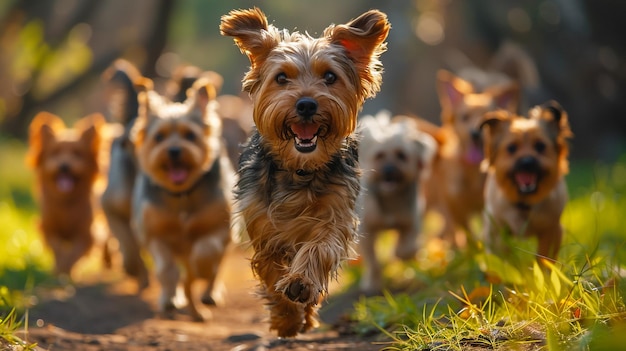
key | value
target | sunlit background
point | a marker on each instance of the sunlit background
(52, 52)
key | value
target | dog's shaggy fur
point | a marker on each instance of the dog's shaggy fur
(299, 177)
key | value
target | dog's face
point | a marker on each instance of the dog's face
(176, 143)
(393, 153)
(65, 158)
(463, 109)
(308, 91)
(527, 155)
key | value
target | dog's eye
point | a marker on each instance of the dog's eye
(281, 78)
(511, 148)
(159, 137)
(329, 78)
(540, 147)
(401, 156)
(190, 136)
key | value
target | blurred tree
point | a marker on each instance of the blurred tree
(52, 49)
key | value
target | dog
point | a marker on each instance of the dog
(455, 188)
(181, 200)
(124, 82)
(525, 190)
(394, 156)
(65, 161)
(299, 172)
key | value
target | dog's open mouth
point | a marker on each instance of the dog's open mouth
(305, 136)
(65, 182)
(177, 173)
(526, 181)
(391, 178)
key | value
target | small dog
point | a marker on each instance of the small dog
(455, 187)
(65, 161)
(394, 156)
(526, 161)
(299, 174)
(181, 201)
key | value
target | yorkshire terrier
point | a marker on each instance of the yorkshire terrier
(455, 187)
(181, 201)
(525, 190)
(394, 156)
(65, 161)
(299, 173)
(124, 82)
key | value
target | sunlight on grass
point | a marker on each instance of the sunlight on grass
(481, 301)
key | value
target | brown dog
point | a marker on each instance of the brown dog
(65, 161)
(394, 156)
(455, 187)
(182, 194)
(525, 190)
(299, 177)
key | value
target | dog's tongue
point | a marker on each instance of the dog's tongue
(65, 183)
(305, 131)
(525, 180)
(474, 155)
(177, 175)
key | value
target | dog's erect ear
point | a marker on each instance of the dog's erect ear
(41, 132)
(121, 93)
(554, 119)
(252, 33)
(91, 130)
(492, 125)
(507, 97)
(363, 39)
(451, 90)
(203, 92)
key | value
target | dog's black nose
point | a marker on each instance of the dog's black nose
(64, 168)
(475, 135)
(306, 107)
(527, 163)
(174, 152)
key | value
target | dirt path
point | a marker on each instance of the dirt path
(106, 314)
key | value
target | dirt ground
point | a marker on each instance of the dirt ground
(104, 313)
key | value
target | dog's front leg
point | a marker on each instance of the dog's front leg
(168, 275)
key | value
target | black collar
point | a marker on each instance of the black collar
(522, 206)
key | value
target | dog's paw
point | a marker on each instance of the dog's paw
(300, 289)
(208, 300)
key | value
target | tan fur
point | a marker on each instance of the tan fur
(522, 154)
(297, 198)
(395, 156)
(65, 161)
(456, 184)
(182, 194)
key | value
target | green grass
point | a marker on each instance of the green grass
(453, 304)
(24, 262)
(478, 301)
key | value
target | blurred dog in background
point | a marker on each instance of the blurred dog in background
(526, 162)
(455, 187)
(395, 156)
(66, 165)
(181, 201)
